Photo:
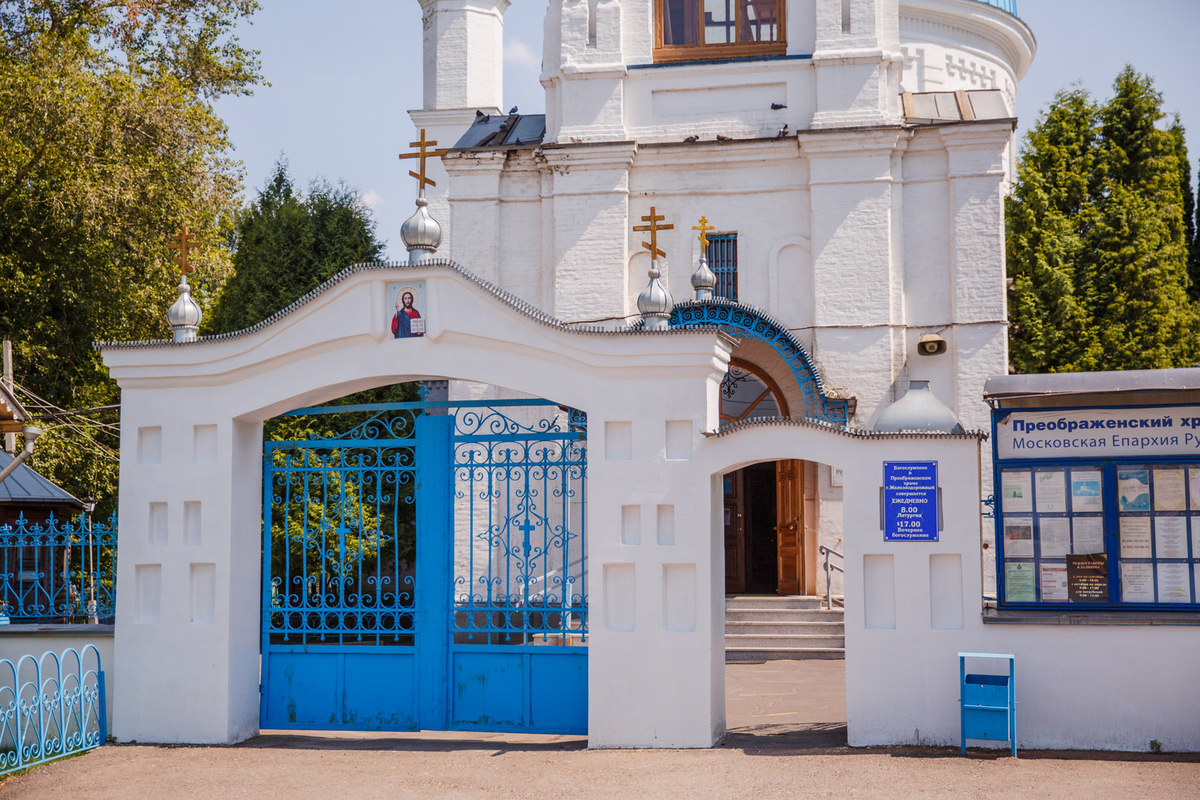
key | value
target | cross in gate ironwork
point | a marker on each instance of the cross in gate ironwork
(653, 218)
(423, 152)
(183, 242)
(528, 527)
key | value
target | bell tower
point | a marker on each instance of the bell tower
(463, 72)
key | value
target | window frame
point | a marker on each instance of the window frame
(719, 268)
(664, 53)
(1109, 468)
(763, 377)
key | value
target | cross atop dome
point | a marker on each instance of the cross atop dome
(653, 218)
(422, 153)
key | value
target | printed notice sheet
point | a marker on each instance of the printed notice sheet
(1173, 586)
(1194, 487)
(1170, 537)
(1016, 490)
(1051, 492)
(1018, 537)
(1089, 534)
(1133, 489)
(1137, 583)
(1085, 491)
(1169, 491)
(1054, 583)
(1055, 536)
(1196, 538)
(1135, 537)
(1018, 583)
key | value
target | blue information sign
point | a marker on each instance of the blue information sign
(910, 507)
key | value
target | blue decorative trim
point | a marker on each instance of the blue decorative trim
(740, 320)
(803, 57)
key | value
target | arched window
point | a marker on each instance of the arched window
(691, 30)
(748, 392)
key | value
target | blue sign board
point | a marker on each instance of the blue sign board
(910, 507)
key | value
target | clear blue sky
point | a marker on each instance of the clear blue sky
(344, 74)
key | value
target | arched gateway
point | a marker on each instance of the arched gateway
(194, 649)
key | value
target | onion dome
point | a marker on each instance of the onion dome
(655, 302)
(421, 233)
(184, 315)
(703, 279)
(918, 410)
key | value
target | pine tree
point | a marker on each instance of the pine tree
(1098, 244)
(286, 244)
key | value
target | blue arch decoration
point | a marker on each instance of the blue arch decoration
(740, 320)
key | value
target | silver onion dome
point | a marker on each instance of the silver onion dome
(703, 279)
(421, 233)
(184, 315)
(655, 302)
(918, 410)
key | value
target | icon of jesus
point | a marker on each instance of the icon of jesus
(407, 322)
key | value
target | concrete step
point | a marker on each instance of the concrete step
(769, 642)
(735, 654)
(770, 601)
(785, 628)
(783, 615)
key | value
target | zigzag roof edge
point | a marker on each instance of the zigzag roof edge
(509, 299)
(855, 433)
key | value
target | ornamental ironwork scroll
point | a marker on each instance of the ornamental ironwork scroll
(520, 572)
(58, 572)
(743, 321)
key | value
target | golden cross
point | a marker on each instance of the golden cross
(423, 153)
(704, 228)
(184, 242)
(653, 218)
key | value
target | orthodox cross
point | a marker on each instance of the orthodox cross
(184, 242)
(653, 218)
(423, 152)
(704, 228)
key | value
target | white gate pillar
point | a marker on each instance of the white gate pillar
(189, 559)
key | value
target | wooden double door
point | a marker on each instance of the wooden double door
(767, 540)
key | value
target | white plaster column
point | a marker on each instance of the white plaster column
(858, 63)
(584, 72)
(475, 209)
(856, 214)
(590, 219)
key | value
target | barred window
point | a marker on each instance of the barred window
(722, 260)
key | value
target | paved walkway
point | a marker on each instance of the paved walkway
(787, 739)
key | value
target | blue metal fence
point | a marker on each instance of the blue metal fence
(56, 572)
(51, 707)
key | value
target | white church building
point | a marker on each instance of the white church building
(732, 300)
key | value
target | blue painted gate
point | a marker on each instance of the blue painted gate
(425, 569)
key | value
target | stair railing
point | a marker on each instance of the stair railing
(827, 552)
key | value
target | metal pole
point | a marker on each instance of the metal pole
(10, 439)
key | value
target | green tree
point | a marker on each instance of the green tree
(287, 243)
(108, 144)
(1097, 237)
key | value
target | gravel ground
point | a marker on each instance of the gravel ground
(787, 740)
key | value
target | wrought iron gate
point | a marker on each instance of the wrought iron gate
(426, 569)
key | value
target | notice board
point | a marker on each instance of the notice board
(910, 507)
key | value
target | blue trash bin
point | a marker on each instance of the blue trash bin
(988, 702)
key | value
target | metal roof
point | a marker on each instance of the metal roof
(506, 132)
(27, 486)
(1143, 380)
